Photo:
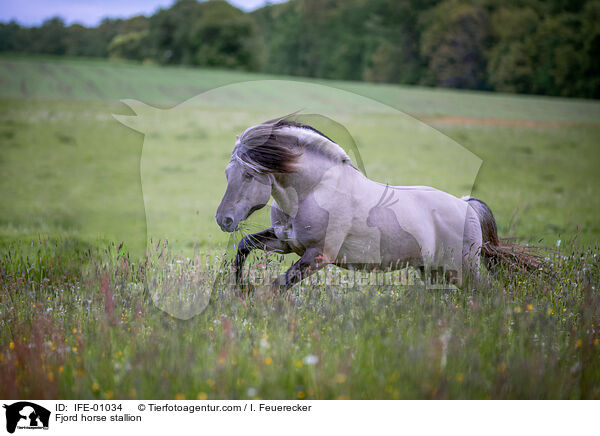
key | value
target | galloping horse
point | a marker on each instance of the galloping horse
(328, 212)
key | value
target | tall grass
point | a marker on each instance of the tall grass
(95, 332)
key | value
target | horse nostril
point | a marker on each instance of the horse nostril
(226, 222)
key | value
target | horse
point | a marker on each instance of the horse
(328, 212)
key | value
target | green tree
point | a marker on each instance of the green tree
(170, 30)
(558, 56)
(128, 45)
(224, 36)
(393, 41)
(590, 31)
(510, 64)
(454, 41)
(11, 36)
(50, 38)
(281, 28)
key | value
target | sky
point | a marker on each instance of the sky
(91, 12)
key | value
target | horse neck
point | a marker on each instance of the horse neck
(290, 190)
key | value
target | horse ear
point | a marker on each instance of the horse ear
(392, 203)
(142, 113)
(390, 197)
(382, 198)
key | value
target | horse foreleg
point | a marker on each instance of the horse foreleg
(310, 262)
(265, 240)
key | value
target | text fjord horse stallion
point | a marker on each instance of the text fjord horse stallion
(327, 211)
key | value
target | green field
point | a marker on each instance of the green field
(77, 318)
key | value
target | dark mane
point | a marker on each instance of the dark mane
(291, 123)
(275, 146)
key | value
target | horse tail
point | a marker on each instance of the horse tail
(496, 251)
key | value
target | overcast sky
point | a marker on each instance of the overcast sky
(90, 12)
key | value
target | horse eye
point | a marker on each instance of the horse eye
(248, 176)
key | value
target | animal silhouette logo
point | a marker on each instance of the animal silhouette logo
(186, 148)
(395, 241)
(26, 415)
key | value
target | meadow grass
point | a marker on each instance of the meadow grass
(94, 332)
(79, 318)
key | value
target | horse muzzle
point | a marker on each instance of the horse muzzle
(226, 222)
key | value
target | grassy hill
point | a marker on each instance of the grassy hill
(93, 79)
(68, 167)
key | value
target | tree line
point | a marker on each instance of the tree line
(524, 46)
